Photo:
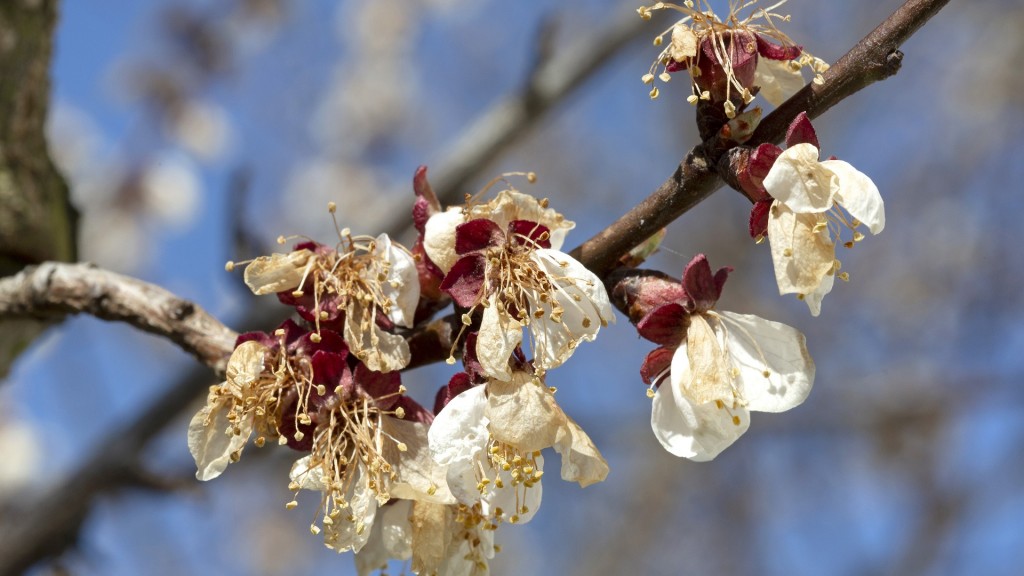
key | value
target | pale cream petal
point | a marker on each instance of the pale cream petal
(305, 477)
(799, 181)
(459, 432)
(683, 44)
(758, 347)
(813, 299)
(402, 282)
(510, 205)
(391, 538)
(858, 195)
(354, 527)
(778, 80)
(497, 338)
(697, 432)
(430, 536)
(277, 272)
(581, 461)
(513, 499)
(707, 364)
(417, 476)
(439, 237)
(380, 350)
(523, 413)
(212, 439)
(802, 256)
(584, 305)
(245, 366)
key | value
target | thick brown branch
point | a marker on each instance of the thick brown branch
(874, 58)
(55, 290)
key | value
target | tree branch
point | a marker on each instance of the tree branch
(52, 291)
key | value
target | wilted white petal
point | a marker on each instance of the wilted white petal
(430, 536)
(799, 181)
(758, 347)
(584, 303)
(523, 413)
(512, 498)
(402, 285)
(581, 461)
(212, 441)
(777, 79)
(245, 365)
(305, 477)
(390, 539)
(277, 272)
(459, 431)
(708, 364)
(439, 237)
(379, 349)
(814, 298)
(497, 338)
(683, 44)
(698, 432)
(353, 534)
(417, 476)
(858, 195)
(801, 255)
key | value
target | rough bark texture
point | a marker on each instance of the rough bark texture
(37, 222)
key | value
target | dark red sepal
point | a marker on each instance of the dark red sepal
(800, 131)
(774, 51)
(665, 325)
(702, 288)
(527, 232)
(759, 219)
(477, 235)
(466, 279)
(656, 364)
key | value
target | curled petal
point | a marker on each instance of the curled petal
(858, 195)
(498, 337)
(402, 282)
(417, 475)
(774, 51)
(381, 351)
(656, 365)
(689, 430)
(459, 432)
(799, 181)
(277, 272)
(429, 535)
(245, 365)
(391, 538)
(705, 361)
(581, 461)
(802, 256)
(814, 298)
(213, 440)
(776, 370)
(584, 303)
(523, 413)
(778, 80)
(439, 238)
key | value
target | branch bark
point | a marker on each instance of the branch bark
(52, 291)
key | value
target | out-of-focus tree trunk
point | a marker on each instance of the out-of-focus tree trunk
(37, 221)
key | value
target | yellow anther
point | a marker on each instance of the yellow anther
(332, 207)
(229, 265)
(291, 505)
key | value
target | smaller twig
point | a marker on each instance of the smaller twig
(54, 290)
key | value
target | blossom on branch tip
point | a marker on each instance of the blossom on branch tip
(806, 207)
(730, 60)
(714, 367)
(501, 258)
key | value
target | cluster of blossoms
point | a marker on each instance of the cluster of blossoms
(732, 60)
(432, 487)
(399, 481)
